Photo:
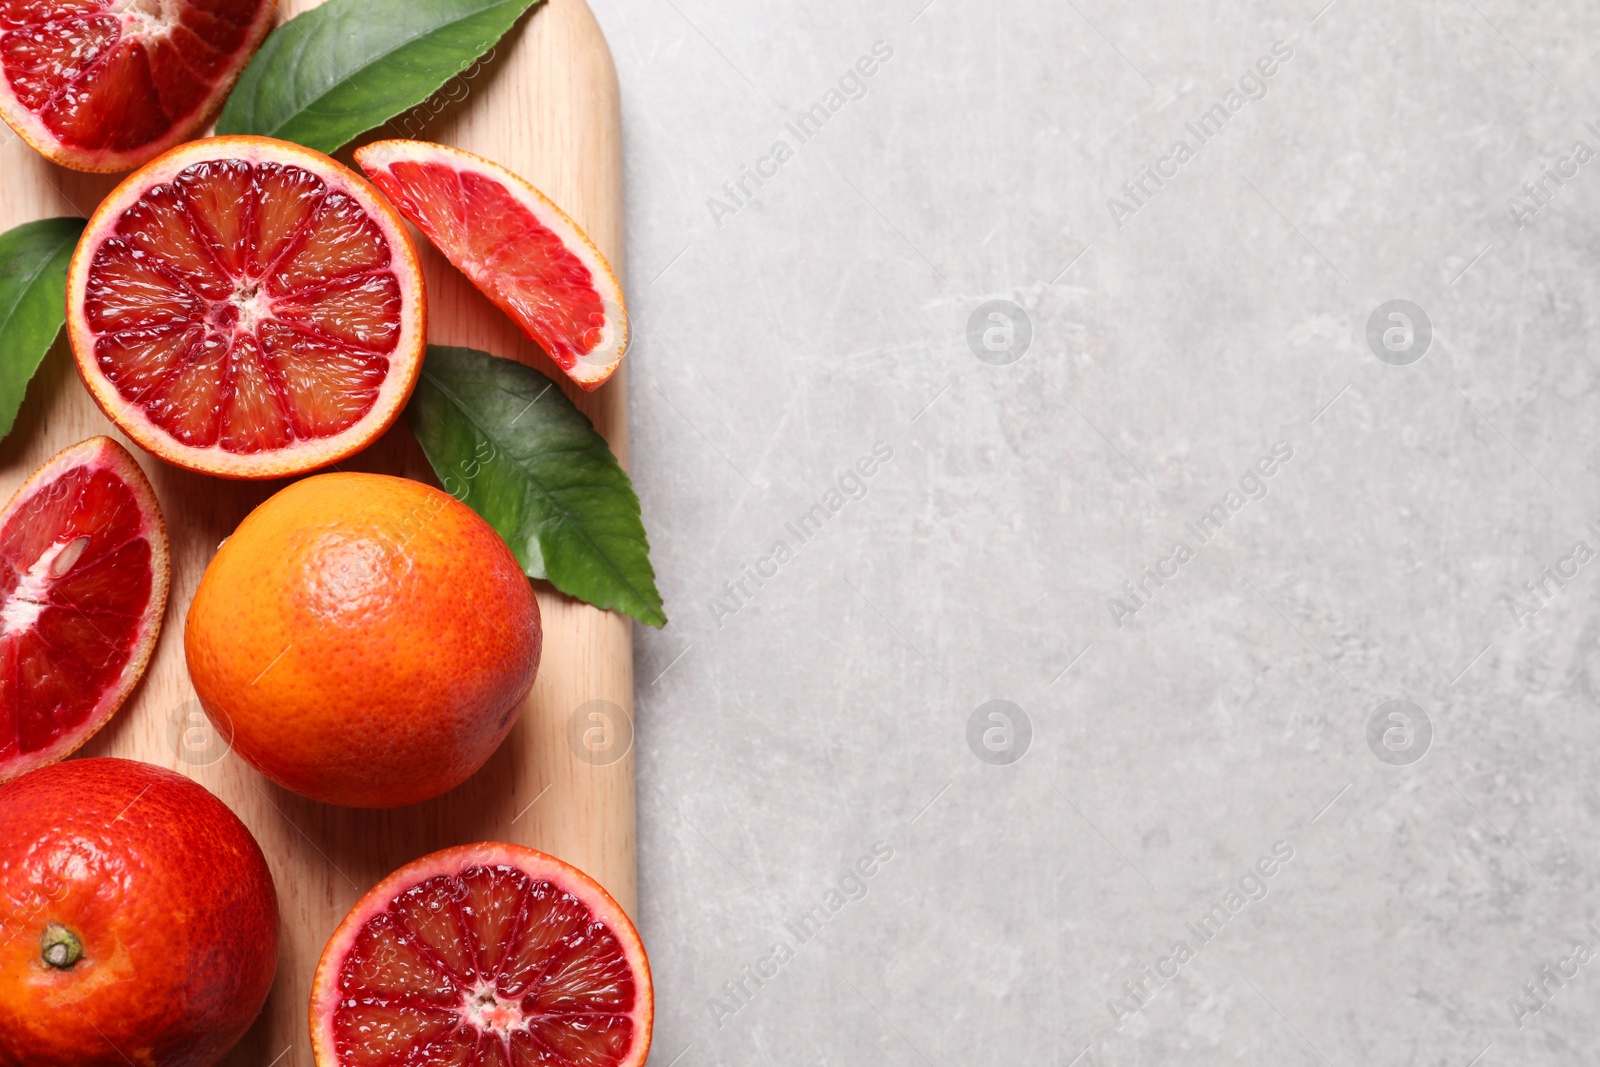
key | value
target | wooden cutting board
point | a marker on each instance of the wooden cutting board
(546, 105)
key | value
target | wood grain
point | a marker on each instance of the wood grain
(545, 105)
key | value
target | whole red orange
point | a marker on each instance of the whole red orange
(138, 921)
(364, 640)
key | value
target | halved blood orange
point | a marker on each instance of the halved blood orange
(515, 245)
(246, 307)
(487, 955)
(83, 584)
(107, 85)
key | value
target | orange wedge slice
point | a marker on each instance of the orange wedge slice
(517, 247)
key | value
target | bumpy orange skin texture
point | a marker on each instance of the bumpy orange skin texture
(171, 898)
(366, 640)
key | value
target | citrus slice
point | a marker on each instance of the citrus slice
(518, 247)
(83, 583)
(248, 308)
(486, 955)
(106, 85)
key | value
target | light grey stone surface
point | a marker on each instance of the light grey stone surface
(785, 734)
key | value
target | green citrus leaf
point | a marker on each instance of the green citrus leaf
(329, 75)
(33, 303)
(507, 442)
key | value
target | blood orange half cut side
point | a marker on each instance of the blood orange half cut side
(107, 85)
(248, 308)
(517, 246)
(486, 955)
(83, 584)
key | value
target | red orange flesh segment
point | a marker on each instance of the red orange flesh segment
(83, 584)
(487, 955)
(515, 245)
(247, 307)
(107, 85)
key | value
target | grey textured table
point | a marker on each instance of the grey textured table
(1254, 478)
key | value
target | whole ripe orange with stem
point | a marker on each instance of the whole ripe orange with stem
(364, 640)
(138, 920)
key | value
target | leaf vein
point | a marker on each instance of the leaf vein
(566, 517)
(343, 78)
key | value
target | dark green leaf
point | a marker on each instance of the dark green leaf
(348, 66)
(33, 303)
(508, 443)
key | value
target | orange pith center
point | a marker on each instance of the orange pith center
(113, 75)
(497, 241)
(75, 579)
(485, 968)
(245, 306)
